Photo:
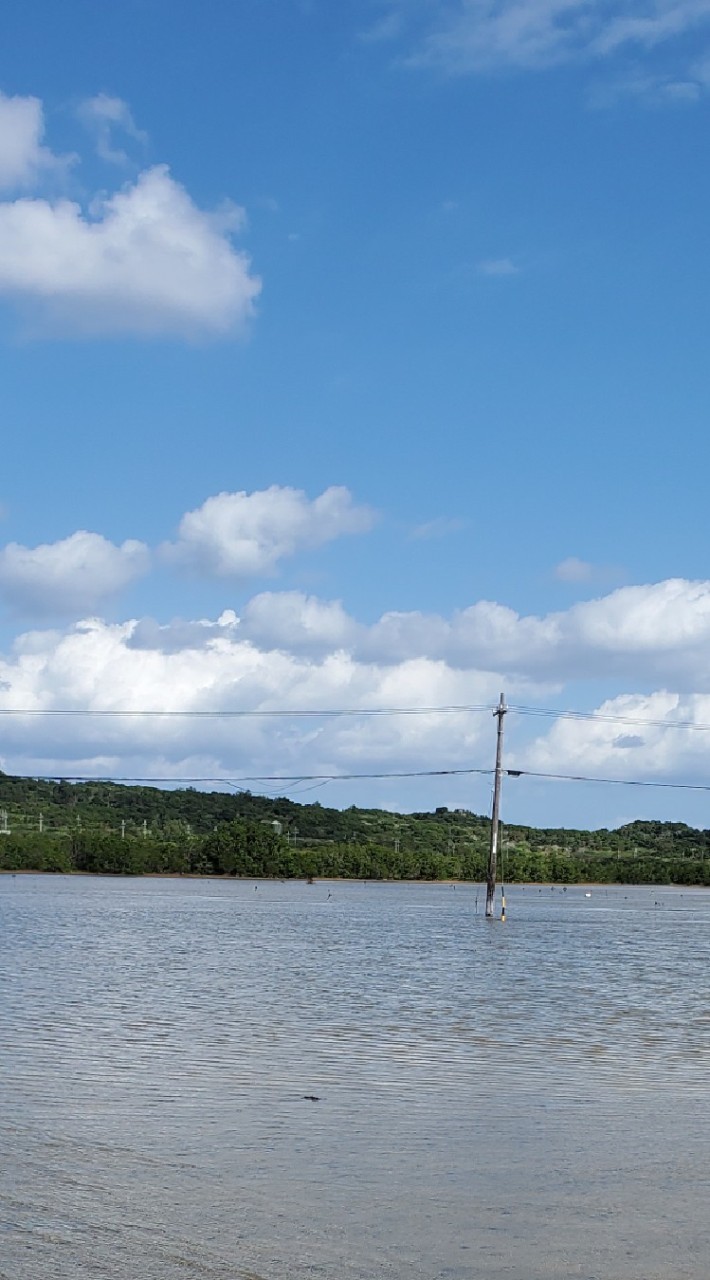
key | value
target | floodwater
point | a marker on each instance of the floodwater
(213, 1080)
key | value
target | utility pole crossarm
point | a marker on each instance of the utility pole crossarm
(499, 713)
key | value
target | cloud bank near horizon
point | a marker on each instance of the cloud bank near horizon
(290, 652)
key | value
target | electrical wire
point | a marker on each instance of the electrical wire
(312, 781)
(294, 778)
(334, 712)
(613, 782)
(239, 713)
(322, 778)
(552, 714)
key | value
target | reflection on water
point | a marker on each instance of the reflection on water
(229, 1080)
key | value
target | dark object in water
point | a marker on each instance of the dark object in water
(311, 1097)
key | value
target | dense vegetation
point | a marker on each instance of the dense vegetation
(113, 829)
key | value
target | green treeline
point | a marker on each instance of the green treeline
(111, 829)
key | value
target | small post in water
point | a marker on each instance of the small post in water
(493, 854)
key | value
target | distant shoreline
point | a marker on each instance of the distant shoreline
(589, 885)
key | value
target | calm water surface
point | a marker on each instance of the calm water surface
(207, 1080)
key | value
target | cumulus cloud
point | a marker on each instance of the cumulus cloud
(104, 116)
(659, 632)
(23, 157)
(95, 665)
(654, 633)
(289, 651)
(145, 260)
(242, 535)
(651, 747)
(68, 577)
(181, 633)
(296, 622)
(142, 260)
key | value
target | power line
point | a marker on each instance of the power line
(318, 778)
(334, 712)
(232, 713)
(321, 779)
(553, 714)
(254, 777)
(614, 782)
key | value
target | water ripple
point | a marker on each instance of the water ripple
(337, 1066)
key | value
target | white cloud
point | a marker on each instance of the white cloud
(475, 37)
(180, 634)
(94, 665)
(651, 89)
(23, 158)
(662, 618)
(637, 24)
(483, 35)
(242, 535)
(647, 746)
(146, 260)
(292, 651)
(659, 632)
(104, 115)
(68, 577)
(296, 622)
(497, 267)
(574, 570)
(439, 527)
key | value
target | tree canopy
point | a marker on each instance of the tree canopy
(108, 828)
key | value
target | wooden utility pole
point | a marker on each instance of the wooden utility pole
(493, 854)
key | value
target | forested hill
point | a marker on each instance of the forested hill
(103, 826)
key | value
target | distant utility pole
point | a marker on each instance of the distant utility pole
(499, 713)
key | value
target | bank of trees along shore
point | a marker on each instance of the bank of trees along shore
(119, 830)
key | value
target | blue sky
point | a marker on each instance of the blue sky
(372, 339)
